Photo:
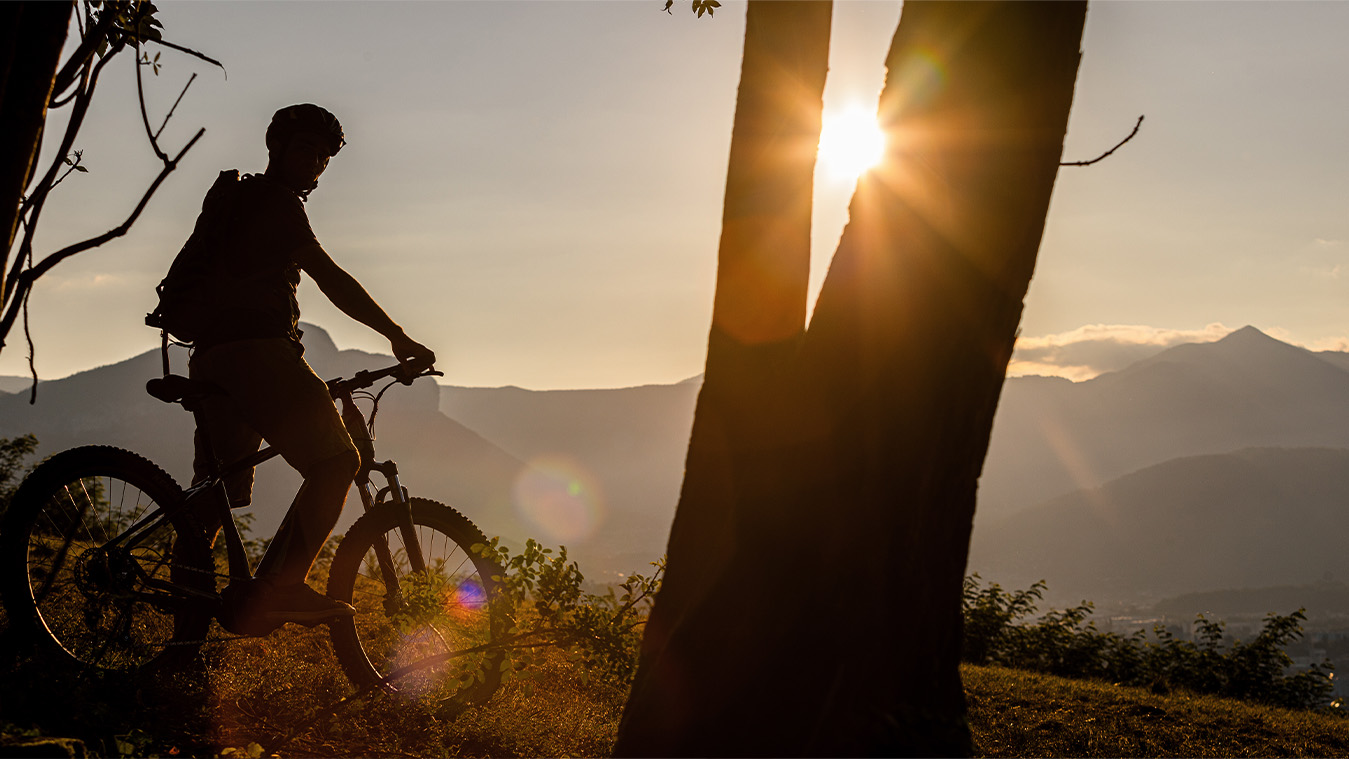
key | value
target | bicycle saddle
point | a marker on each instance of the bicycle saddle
(173, 388)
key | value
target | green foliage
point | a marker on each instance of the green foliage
(14, 452)
(1067, 644)
(600, 631)
(130, 19)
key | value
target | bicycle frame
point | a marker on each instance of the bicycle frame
(211, 492)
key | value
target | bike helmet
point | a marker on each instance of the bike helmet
(305, 117)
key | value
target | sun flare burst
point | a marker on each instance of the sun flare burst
(851, 142)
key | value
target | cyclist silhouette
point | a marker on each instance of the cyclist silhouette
(253, 239)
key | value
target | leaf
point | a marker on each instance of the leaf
(81, 169)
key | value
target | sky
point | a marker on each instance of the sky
(533, 189)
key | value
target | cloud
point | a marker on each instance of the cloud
(1094, 349)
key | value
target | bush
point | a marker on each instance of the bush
(1065, 643)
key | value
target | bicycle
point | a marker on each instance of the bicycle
(107, 565)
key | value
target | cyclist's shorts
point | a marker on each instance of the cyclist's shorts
(271, 392)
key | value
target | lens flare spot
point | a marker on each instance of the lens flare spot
(414, 650)
(560, 498)
(469, 595)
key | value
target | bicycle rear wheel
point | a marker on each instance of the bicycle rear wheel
(416, 633)
(98, 605)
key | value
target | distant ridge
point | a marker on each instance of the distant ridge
(108, 405)
(1255, 517)
(1052, 437)
(1177, 420)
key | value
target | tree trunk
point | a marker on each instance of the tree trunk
(758, 319)
(833, 486)
(31, 36)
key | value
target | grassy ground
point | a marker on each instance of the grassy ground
(1015, 713)
(283, 694)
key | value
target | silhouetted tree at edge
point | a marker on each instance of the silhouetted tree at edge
(31, 36)
(812, 599)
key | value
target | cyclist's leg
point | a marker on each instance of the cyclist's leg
(231, 438)
(311, 518)
(278, 395)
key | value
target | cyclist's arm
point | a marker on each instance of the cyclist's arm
(351, 298)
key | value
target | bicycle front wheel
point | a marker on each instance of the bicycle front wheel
(421, 634)
(71, 586)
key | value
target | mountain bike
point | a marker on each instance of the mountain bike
(106, 564)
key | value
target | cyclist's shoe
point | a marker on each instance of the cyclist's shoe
(257, 607)
(299, 603)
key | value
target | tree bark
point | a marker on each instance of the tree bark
(759, 317)
(830, 489)
(31, 36)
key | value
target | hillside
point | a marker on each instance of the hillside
(614, 460)
(439, 458)
(1257, 517)
(630, 441)
(1248, 390)
(1016, 713)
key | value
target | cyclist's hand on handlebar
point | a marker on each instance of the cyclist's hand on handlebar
(412, 354)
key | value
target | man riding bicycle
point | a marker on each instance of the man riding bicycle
(250, 244)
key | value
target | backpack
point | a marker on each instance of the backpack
(187, 292)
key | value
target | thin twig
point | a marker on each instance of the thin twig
(169, 115)
(67, 172)
(173, 46)
(1107, 153)
(39, 197)
(140, 98)
(32, 367)
(83, 54)
(121, 229)
(25, 280)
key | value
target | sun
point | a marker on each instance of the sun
(851, 142)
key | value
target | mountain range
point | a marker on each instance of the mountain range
(1205, 466)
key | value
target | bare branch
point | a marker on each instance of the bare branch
(74, 166)
(84, 82)
(169, 115)
(24, 281)
(121, 229)
(35, 202)
(134, 36)
(1107, 153)
(32, 367)
(140, 98)
(82, 55)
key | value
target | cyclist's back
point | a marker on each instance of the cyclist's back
(244, 259)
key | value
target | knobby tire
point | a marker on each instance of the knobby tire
(68, 597)
(454, 606)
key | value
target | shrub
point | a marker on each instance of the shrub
(1066, 643)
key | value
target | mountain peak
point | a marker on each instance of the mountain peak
(317, 340)
(1248, 335)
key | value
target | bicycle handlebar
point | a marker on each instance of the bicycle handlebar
(404, 373)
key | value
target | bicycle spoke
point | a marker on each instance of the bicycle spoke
(107, 602)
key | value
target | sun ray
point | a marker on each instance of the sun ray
(850, 143)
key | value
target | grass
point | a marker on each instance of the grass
(284, 693)
(1015, 713)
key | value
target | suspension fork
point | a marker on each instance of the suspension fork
(399, 500)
